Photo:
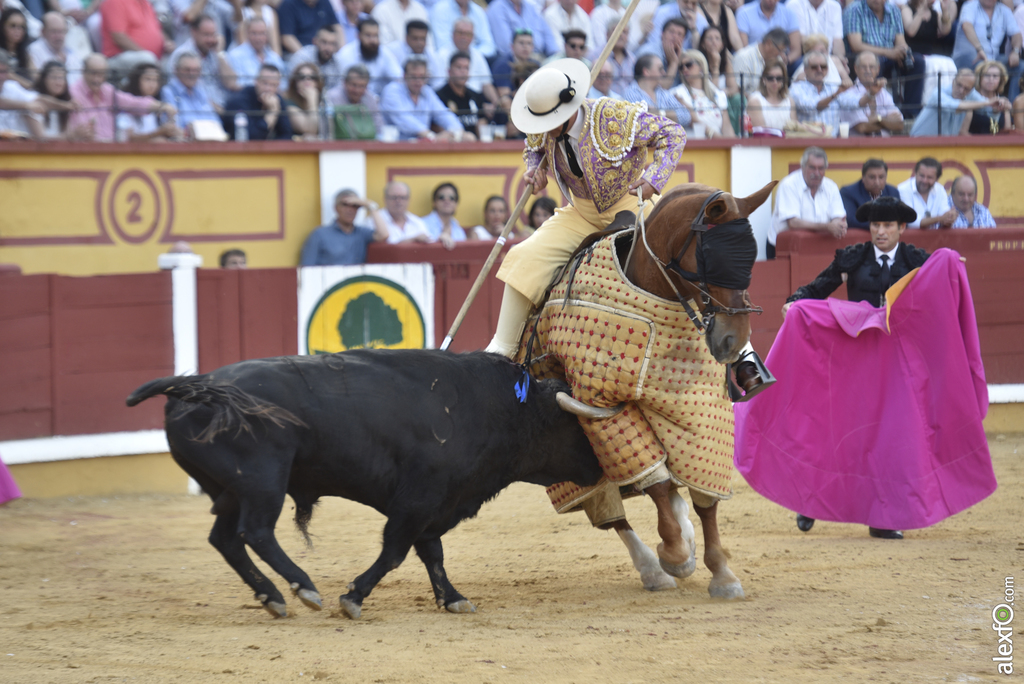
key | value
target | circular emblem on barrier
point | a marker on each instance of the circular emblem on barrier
(365, 312)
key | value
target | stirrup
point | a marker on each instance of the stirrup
(763, 376)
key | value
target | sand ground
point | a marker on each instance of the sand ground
(126, 589)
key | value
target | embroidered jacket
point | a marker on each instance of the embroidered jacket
(612, 151)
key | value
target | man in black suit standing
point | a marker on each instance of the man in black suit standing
(873, 183)
(868, 269)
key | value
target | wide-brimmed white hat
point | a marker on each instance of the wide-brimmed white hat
(550, 96)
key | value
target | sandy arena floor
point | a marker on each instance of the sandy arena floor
(128, 590)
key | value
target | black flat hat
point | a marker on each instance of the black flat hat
(886, 209)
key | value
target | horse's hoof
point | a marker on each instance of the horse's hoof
(352, 609)
(276, 608)
(682, 570)
(657, 581)
(729, 591)
(462, 606)
(310, 598)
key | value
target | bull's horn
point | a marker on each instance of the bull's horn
(567, 403)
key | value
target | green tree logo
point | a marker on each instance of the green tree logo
(369, 322)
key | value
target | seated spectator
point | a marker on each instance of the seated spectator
(985, 25)
(15, 40)
(382, 69)
(302, 100)
(52, 84)
(260, 9)
(144, 81)
(990, 82)
(648, 73)
(508, 17)
(820, 17)
(520, 57)
(184, 14)
(247, 57)
(324, 53)
(807, 200)
(959, 102)
(131, 33)
(575, 47)
(233, 259)
(441, 223)
(706, 103)
(720, 15)
(187, 94)
(216, 71)
(263, 107)
(673, 41)
(97, 99)
(600, 18)
(685, 11)
(816, 100)
(300, 20)
(868, 106)
(542, 209)
(836, 72)
(1018, 107)
(19, 106)
(873, 184)
(414, 46)
(719, 60)
(52, 46)
(520, 73)
(603, 84)
(355, 109)
(403, 226)
(415, 109)
(749, 62)
(394, 15)
(566, 15)
(496, 215)
(925, 29)
(445, 14)
(963, 196)
(755, 19)
(621, 60)
(348, 19)
(876, 26)
(343, 242)
(771, 106)
(462, 40)
(923, 192)
(470, 106)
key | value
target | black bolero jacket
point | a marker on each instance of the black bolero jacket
(863, 273)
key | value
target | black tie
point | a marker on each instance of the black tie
(886, 279)
(574, 164)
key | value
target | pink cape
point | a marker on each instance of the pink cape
(8, 487)
(874, 428)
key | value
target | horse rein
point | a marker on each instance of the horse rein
(704, 321)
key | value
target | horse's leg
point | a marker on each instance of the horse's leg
(644, 560)
(724, 584)
(677, 556)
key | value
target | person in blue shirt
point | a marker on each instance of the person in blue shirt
(445, 13)
(951, 107)
(187, 94)
(505, 16)
(247, 58)
(263, 107)
(414, 108)
(301, 19)
(871, 186)
(648, 73)
(342, 242)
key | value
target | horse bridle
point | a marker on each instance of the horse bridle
(704, 321)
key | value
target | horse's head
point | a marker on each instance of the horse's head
(713, 268)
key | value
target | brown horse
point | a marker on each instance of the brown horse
(664, 262)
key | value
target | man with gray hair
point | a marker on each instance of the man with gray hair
(867, 106)
(403, 225)
(480, 79)
(806, 200)
(52, 47)
(342, 242)
(353, 98)
(949, 110)
(247, 58)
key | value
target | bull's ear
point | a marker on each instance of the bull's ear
(747, 205)
(716, 210)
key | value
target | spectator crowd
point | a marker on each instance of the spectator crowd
(446, 70)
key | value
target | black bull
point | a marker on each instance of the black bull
(423, 437)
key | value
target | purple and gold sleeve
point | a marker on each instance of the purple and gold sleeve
(666, 139)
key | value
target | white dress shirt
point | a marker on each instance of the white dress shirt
(793, 199)
(936, 204)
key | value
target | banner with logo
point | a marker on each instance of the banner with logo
(381, 306)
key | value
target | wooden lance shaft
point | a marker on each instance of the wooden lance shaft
(500, 242)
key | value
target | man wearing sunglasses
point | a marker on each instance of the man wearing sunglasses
(817, 101)
(343, 242)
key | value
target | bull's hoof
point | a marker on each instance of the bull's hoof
(276, 608)
(681, 570)
(352, 609)
(729, 590)
(656, 580)
(310, 599)
(462, 606)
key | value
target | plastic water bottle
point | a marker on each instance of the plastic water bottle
(241, 127)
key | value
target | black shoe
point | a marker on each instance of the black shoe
(884, 534)
(804, 523)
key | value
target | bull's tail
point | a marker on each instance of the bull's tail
(232, 407)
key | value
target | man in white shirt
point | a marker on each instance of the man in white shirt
(926, 196)
(367, 51)
(216, 71)
(806, 200)
(402, 226)
(867, 106)
(51, 47)
(414, 46)
(821, 16)
(565, 15)
(393, 15)
(749, 61)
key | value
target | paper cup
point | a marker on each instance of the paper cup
(844, 130)
(699, 130)
(486, 133)
(389, 134)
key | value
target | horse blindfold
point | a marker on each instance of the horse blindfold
(726, 255)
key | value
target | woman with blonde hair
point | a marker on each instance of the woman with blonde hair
(990, 81)
(707, 104)
(302, 100)
(771, 106)
(836, 74)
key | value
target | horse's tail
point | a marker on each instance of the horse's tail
(232, 407)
